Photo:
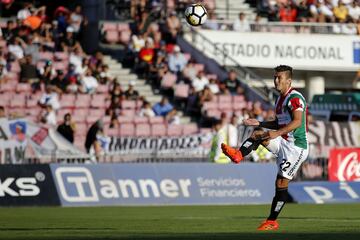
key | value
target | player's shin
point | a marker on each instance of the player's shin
(249, 145)
(278, 202)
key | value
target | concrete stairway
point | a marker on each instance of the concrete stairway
(125, 76)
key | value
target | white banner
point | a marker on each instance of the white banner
(19, 137)
(301, 51)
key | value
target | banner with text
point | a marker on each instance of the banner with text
(27, 185)
(344, 164)
(166, 183)
(191, 145)
(301, 51)
(325, 192)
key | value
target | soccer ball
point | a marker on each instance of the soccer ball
(196, 14)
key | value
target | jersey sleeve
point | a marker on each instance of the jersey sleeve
(296, 103)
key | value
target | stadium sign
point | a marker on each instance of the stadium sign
(344, 164)
(163, 184)
(302, 51)
(176, 146)
(325, 192)
(27, 185)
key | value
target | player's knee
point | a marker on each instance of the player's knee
(282, 182)
(257, 134)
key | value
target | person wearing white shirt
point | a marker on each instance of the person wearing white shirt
(354, 10)
(241, 24)
(213, 86)
(49, 116)
(89, 82)
(200, 81)
(50, 97)
(146, 110)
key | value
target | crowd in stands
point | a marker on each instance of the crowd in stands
(58, 84)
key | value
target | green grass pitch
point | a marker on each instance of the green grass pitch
(306, 221)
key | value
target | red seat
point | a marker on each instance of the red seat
(23, 87)
(91, 119)
(68, 101)
(190, 128)
(128, 112)
(102, 88)
(125, 119)
(123, 27)
(112, 36)
(127, 129)
(83, 101)
(213, 113)
(181, 91)
(225, 106)
(98, 101)
(61, 56)
(46, 56)
(238, 98)
(18, 101)
(15, 67)
(78, 118)
(63, 65)
(125, 37)
(199, 67)
(168, 80)
(97, 112)
(210, 105)
(81, 129)
(158, 130)
(115, 132)
(142, 130)
(128, 104)
(156, 119)
(224, 99)
(138, 120)
(109, 26)
(174, 130)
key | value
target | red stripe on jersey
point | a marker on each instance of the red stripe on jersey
(281, 101)
(295, 103)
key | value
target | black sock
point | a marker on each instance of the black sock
(278, 202)
(248, 146)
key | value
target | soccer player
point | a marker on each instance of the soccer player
(287, 139)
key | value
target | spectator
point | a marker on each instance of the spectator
(354, 10)
(200, 81)
(287, 13)
(105, 76)
(15, 47)
(231, 82)
(177, 61)
(340, 11)
(173, 27)
(131, 93)
(48, 115)
(146, 110)
(2, 112)
(47, 73)
(50, 97)
(163, 107)
(28, 72)
(146, 56)
(173, 117)
(241, 24)
(25, 11)
(67, 128)
(232, 130)
(211, 23)
(213, 86)
(89, 83)
(60, 82)
(68, 42)
(3, 74)
(92, 139)
(77, 19)
(9, 31)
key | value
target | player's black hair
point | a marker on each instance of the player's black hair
(284, 68)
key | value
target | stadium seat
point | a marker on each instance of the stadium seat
(213, 113)
(112, 36)
(190, 128)
(45, 56)
(109, 26)
(112, 132)
(125, 37)
(210, 105)
(61, 56)
(102, 88)
(123, 27)
(181, 90)
(91, 119)
(82, 101)
(19, 101)
(156, 119)
(78, 118)
(68, 101)
(158, 130)
(63, 65)
(138, 120)
(81, 129)
(125, 119)
(168, 80)
(23, 87)
(128, 112)
(128, 104)
(97, 112)
(199, 67)
(98, 101)
(15, 67)
(127, 129)
(174, 130)
(142, 130)
(224, 99)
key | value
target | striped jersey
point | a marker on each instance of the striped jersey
(284, 108)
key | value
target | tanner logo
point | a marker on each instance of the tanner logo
(76, 184)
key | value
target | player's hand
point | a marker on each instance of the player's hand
(251, 122)
(273, 134)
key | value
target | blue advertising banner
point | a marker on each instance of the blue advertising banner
(166, 183)
(325, 192)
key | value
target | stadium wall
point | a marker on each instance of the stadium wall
(157, 184)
